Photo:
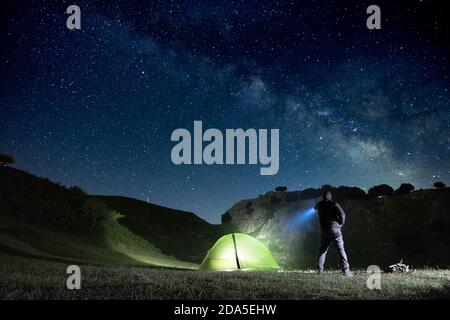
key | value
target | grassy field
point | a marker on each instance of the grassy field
(28, 278)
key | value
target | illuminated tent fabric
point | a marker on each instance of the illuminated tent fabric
(238, 251)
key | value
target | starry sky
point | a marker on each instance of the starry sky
(96, 107)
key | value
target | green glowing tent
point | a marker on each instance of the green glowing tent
(238, 251)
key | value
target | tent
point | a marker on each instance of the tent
(236, 251)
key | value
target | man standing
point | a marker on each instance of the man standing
(331, 218)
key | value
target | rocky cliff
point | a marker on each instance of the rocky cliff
(414, 226)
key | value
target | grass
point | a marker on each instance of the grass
(28, 278)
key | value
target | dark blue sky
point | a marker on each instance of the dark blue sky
(96, 107)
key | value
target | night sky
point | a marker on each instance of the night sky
(96, 107)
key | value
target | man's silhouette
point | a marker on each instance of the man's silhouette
(332, 218)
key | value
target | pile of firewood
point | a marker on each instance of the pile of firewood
(399, 267)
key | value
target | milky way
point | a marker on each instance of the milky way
(96, 107)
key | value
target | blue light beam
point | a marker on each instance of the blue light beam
(302, 217)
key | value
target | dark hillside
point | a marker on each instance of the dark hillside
(40, 218)
(179, 233)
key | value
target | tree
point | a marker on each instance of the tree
(327, 187)
(281, 189)
(310, 193)
(404, 189)
(380, 191)
(95, 211)
(6, 159)
(344, 192)
(77, 190)
(439, 185)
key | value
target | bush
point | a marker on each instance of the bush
(327, 187)
(380, 191)
(281, 189)
(96, 211)
(404, 189)
(439, 185)
(344, 192)
(78, 191)
(116, 215)
(6, 159)
(310, 193)
(339, 193)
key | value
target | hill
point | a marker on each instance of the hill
(178, 233)
(39, 218)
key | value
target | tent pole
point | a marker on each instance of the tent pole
(235, 252)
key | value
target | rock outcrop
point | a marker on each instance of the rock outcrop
(414, 226)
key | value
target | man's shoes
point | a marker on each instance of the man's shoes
(348, 273)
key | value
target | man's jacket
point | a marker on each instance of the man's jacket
(331, 215)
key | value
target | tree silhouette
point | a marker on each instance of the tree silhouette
(381, 190)
(439, 185)
(281, 189)
(404, 189)
(95, 211)
(6, 159)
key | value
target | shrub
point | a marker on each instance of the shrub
(439, 185)
(404, 189)
(310, 193)
(96, 211)
(6, 159)
(381, 190)
(339, 193)
(77, 190)
(344, 192)
(327, 187)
